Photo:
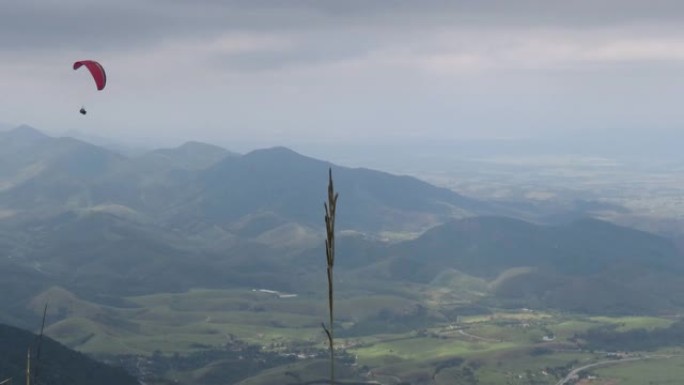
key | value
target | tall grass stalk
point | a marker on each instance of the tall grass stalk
(40, 344)
(32, 377)
(330, 207)
(28, 366)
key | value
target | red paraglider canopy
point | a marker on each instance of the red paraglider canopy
(96, 70)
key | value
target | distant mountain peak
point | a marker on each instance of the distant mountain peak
(25, 133)
(192, 145)
(278, 154)
(194, 155)
(279, 150)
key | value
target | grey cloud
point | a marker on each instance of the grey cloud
(33, 24)
(276, 60)
(29, 26)
(398, 13)
(305, 49)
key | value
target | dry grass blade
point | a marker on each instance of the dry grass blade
(330, 207)
(40, 344)
(28, 366)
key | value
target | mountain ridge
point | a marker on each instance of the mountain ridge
(136, 225)
(199, 182)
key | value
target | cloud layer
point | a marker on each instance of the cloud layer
(275, 70)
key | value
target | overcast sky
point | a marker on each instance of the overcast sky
(282, 71)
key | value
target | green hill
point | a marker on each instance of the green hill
(287, 184)
(586, 265)
(488, 245)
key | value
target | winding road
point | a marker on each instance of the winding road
(576, 371)
(464, 333)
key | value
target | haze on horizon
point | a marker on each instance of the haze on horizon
(284, 73)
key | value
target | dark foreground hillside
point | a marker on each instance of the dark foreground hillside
(58, 365)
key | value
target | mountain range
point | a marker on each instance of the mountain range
(203, 183)
(96, 221)
(104, 225)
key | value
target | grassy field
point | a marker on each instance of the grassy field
(185, 322)
(629, 323)
(503, 347)
(519, 368)
(656, 371)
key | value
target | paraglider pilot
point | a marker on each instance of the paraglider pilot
(98, 73)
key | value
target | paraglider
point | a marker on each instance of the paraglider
(96, 70)
(98, 74)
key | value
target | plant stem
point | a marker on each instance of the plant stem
(330, 255)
